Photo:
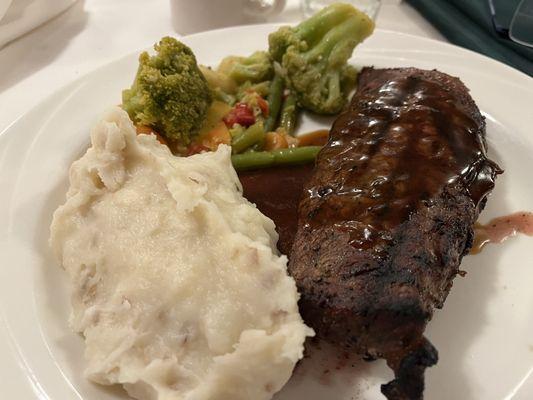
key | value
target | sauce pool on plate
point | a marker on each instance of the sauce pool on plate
(499, 229)
(277, 193)
(315, 138)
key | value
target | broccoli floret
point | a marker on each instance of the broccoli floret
(254, 68)
(169, 92)
(314, 56)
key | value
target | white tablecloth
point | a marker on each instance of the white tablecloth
(22, 16)
(95, 32)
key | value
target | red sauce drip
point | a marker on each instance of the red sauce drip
(501, 228)
(276, 193)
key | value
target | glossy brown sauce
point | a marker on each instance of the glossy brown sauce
(277, 193)
(315, 138)
(499, 229)
(408, 140)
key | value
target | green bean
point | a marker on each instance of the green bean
(296, 155)
(252, 135)
(252, 160)
(274, 98)
(288, 114)
(255, 148)
(236, 131)
(263, 159)
(259, 146)
(219, 94)
(262, 88)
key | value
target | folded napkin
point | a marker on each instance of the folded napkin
(468, 24)
(20, 16)
(4, 5)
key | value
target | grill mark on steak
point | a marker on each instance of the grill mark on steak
(387, 216)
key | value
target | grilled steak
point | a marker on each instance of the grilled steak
(387, 217)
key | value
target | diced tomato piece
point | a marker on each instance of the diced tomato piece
(195, 148)
(230, 119)
(241, 114)
(263, 105)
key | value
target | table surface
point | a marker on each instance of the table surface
(95, 32)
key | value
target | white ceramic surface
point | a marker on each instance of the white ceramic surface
(21, 16)
(484, 333)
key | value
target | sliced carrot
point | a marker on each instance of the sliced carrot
(195, 148)
(275, 140)
(216, 136)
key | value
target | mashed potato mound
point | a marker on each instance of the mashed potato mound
(176, 283)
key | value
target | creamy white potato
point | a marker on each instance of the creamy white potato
(176, 283)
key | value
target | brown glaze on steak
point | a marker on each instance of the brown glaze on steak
(387, 217)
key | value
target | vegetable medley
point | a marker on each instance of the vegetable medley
(251, 103)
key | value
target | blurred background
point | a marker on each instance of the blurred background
(44, 44)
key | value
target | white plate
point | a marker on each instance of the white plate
(484, 333)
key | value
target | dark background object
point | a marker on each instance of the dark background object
(469, 23)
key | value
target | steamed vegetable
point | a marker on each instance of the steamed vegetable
(242, 114)
(288, 114)
(263, 159)
(169, 92)
(251, 103)
(222, 86)
(274, 99)
(256, 68)
(261, 88)
(314, 55)
(218, 80)
(255, 134)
